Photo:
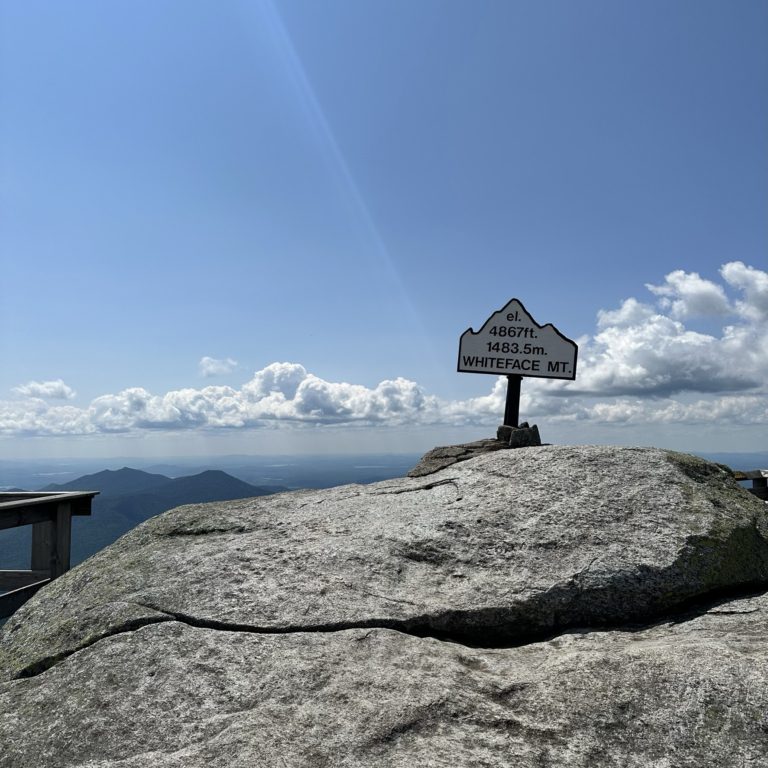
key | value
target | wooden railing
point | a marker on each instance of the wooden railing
(759, 478)
(50, 515)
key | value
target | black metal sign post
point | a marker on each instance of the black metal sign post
(512, 407)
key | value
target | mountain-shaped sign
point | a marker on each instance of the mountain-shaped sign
(512, 343)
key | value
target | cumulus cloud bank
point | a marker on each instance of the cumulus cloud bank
(281, 393)
(643, 349)
(644, 365)
(644, 361)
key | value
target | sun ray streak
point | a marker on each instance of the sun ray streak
(335, 159)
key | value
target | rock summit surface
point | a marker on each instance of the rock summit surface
(563, 606)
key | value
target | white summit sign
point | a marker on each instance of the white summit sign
(512, 343)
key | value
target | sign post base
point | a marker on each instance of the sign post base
(518, 437)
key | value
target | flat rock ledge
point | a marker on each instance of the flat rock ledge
(507, 437)
(446, 455)
(581, 606)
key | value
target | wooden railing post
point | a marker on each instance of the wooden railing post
(42, 536)
(51, 542)
(61, 540)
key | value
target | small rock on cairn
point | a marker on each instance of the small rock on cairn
(518, 437)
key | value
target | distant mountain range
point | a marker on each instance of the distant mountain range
(286, 471)
(126, 498)
(130, 484)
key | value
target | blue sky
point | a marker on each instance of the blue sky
(262, 226)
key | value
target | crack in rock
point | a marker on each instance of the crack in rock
(375, 594)
(425, 487)
(478, 635)
(206, 530)
(41, 665)
(315, 502)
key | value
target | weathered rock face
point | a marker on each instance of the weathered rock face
(686, 694)
(444, 456)
(375, 625)
(448, 455)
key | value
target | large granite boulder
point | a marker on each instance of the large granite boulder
(580, 606)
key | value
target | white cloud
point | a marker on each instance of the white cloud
(686, 294)
(642, 350)
(643, 366)
(659, 356)
(281, 393)
(744, 410)
(278, 378)
(54, 390)
(211, 366)
(629, 314)
(754, 284)
(36, 417)
(484, 409)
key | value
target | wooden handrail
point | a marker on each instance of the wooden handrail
(759, 478)
(50, 515)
